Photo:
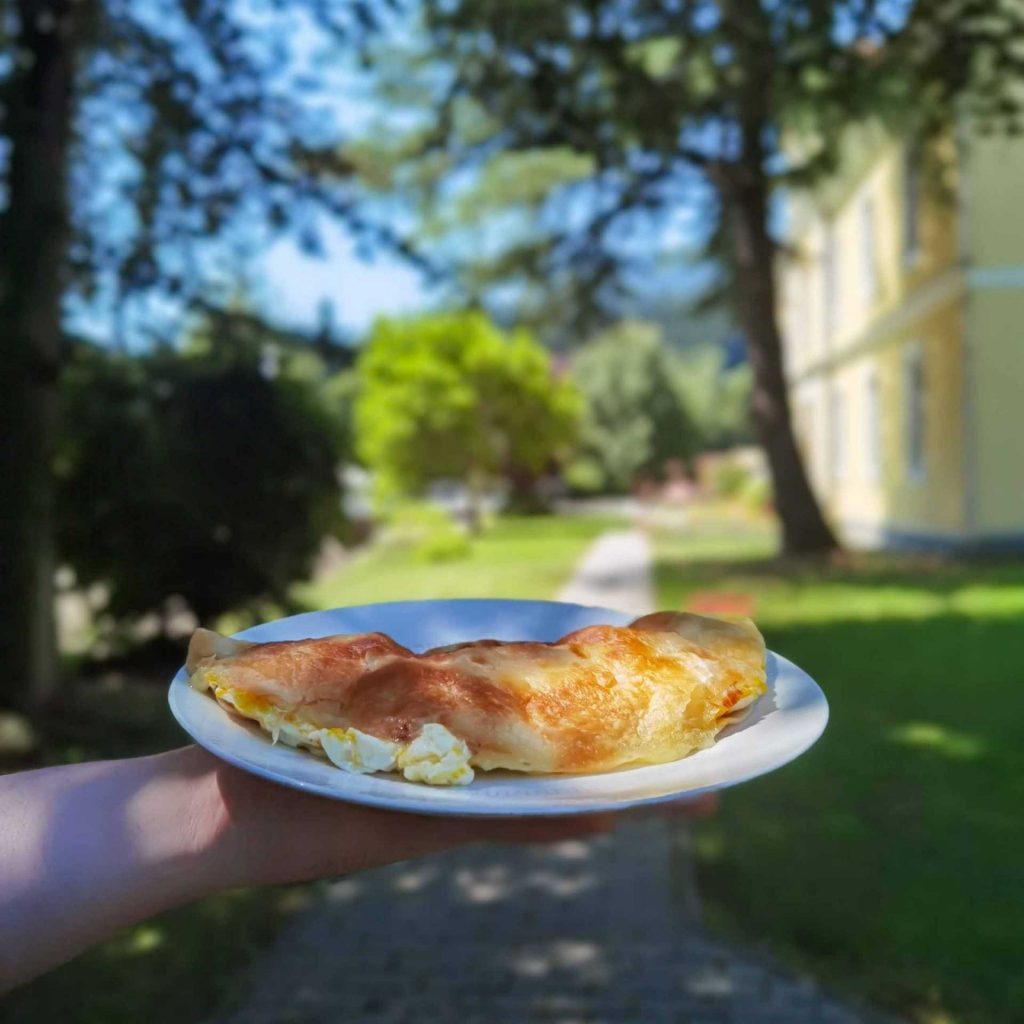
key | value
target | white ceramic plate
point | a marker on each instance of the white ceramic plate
(782, 725)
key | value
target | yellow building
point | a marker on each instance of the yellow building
(902, 312)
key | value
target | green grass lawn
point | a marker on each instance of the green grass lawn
(519, 556)
(889, 860)
(176, 967)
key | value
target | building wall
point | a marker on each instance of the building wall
(954, 300)
(930, 501)
(996, 367)
(892, 300)
(860, 466)
(992, 192)
(993, 216)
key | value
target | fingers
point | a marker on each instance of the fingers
(283, 835)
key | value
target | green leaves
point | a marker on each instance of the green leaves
(523, 180)
(209, 475)
(450, 396)
(635, 418)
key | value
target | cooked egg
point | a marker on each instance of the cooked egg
(356, 751)
(436, 756)
(281, 725)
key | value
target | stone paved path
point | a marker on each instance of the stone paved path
(605, 931)
(614, 573)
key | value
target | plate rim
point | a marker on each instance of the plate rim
(428, 800)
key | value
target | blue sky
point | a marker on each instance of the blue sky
(285, 283)
(293, 286)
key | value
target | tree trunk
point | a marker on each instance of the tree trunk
(804, 530)
(33, 235)
(524, 497)
(744, 191)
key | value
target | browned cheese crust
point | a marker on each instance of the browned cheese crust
(599, 698)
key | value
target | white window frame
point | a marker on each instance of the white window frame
(837, 434)
(796, 344)
(807, 311)
(915, 418)
(874, 452)
(868, 251)
(830, 282)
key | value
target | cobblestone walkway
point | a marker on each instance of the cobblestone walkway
(615, 573)
(605, 931)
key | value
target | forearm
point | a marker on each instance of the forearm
(87, 849)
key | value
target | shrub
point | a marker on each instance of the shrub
(729, 478)
(585, 475)
(196, 475)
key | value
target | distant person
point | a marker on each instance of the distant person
(88, 849)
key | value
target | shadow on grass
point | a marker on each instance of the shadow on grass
(887, 859)
(168, 970)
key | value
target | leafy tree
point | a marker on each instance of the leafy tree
(684, 104)
(211, 476)
(449, 395)
(635, 419)
(131, 134)
(716, 395)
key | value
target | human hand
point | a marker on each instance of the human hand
(87, 849)
(266, 833)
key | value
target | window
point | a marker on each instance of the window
(868, 253)
(795, 347)
(873, 422)
(808, 310)
(838, 435)
(914, 411)
(830, 273)
(911, 204)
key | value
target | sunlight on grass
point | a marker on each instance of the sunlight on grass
(944, 741)
(169, 970)
(518, 557)
(143, 939)
(886, 860)
(870, 587)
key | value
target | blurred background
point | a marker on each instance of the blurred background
(702, 304)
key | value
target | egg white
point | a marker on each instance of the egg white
(435, 757)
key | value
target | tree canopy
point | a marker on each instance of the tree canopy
(145, 147)
(635, 419)
(636, 111)
(449, 395)
(594, 130)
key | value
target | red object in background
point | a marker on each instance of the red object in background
(722, 603)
